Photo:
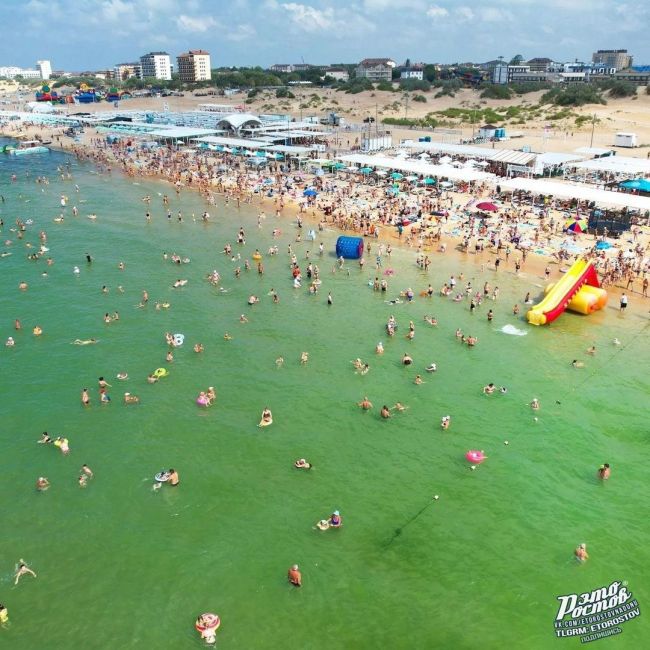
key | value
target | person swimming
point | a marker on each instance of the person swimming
(535, 404)
(301, 463)
(432, 367)
(577, 364)
(84, 341)
(489, 389)
(406, 360)
(365, 404)
(581, 553)
(445, 421)
(604, 472)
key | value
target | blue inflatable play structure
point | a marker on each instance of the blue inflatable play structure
(350, 248)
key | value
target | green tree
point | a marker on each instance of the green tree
(430, 72)
(516, 60)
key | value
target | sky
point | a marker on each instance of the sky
(96, 34)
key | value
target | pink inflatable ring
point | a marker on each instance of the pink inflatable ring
(476, 457)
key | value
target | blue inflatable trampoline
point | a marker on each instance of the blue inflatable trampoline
(350, 248)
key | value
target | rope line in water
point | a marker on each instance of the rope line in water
(614, 354)
(398, 531)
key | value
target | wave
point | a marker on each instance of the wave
(513, 331)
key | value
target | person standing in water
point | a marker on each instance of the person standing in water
(604, 472)
(581, 553)
(294, 576)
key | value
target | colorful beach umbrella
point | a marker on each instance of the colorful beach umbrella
(429, 181)
(365, 170)
(396, 176)
(576, 225)
(310, 192)
(486, 206)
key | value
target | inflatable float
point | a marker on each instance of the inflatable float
(350, 248)
(160, 372)
(203, 400)
(257, 257)
(578, 290)
(162, 477)
(474, 456)
(266, 421)
(206, 625)
(178, 340)
(323, 524)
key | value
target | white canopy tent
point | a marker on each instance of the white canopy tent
(510, 156)
(551, 158)
(594, 151)
(418, 167)
(235, 142)
(285, 148)
(615, 165)
(176, 132)
(444, 147)
(572, 191)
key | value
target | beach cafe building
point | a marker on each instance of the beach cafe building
(501, 162)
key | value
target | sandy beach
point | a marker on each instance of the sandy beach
(450, 236)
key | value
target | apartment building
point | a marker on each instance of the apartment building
(618, 59)
(44, 68)
(194, 65)
(156, 65)
(376, 69)
(124, 71)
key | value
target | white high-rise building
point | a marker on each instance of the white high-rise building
(157, 65)
(45, 68)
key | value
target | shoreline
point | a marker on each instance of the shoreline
(533, 264)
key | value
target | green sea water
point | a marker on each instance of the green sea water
(123, 566)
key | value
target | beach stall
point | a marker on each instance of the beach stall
(625, 140)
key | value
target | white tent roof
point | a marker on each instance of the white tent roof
(469, 151)
(236, 120)
(444, 147)
(512, 157)
(553, 158)
(297, 133)
(593, 151)
(234, 142)
(581, 191)
(281, 125)
(285, 148)
(418, 167)
(616, 165)
(162, 131)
